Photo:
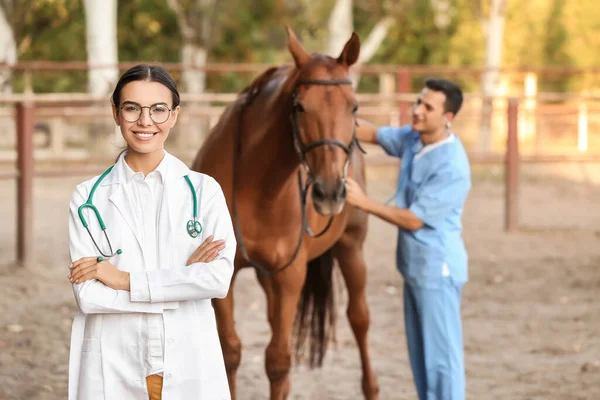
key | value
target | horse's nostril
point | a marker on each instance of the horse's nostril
(319, 191)
(333, 192)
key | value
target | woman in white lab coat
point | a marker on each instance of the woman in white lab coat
(146, 327)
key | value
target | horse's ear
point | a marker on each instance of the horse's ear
(296, 49)
(351, 51)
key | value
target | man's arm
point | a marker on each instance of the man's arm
(401, 217)
(366, 131)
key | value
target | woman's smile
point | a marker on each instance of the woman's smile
(144, 135)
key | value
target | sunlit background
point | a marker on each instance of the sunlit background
(531, 308)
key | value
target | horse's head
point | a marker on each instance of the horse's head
(324, 120)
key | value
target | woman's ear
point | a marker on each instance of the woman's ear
(174, 115)
(115, 112)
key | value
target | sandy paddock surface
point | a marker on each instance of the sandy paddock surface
(531, 308)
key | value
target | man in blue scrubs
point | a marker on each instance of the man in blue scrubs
(433, 185)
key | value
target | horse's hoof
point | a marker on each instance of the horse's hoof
(370, 388)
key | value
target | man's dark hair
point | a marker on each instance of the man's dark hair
(454, 96)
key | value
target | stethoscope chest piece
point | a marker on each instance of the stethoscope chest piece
(194, 228)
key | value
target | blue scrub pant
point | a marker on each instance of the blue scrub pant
(434, 338)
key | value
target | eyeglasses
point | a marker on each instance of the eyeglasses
(132, 112)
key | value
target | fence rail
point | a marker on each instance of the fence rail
(25, 109)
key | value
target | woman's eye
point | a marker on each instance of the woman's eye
(355, 109)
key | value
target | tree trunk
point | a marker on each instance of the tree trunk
(8, 53)
(196, 21)
(442, 13)
(192, 55)
(494, 31)
(101, 40)
(371, 45)
(194, 82)
(340, 27)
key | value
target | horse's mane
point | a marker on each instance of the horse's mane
(260, 81)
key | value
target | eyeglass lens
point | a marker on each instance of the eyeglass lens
(132, 112)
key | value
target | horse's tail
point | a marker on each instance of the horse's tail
(315, 318)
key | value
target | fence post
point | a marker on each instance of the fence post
(25, 123)
(511, 222)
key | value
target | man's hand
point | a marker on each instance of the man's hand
(355, 194)
(207, 251)
(87, 268)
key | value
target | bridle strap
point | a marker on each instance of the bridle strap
(301, 149)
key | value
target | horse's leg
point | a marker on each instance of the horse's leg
(230, 341)
(349, 254)
(283, 292)
(267, 285)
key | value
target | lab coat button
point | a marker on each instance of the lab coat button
(168, 376)
(171, 341)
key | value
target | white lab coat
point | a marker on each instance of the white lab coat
(105, 361)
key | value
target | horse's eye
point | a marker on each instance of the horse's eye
(298, 107)
(355, 109)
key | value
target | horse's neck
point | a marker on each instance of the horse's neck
(269, 143)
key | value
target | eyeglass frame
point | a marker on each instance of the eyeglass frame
(142, 110)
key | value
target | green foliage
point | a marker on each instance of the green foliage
(554, 48)
(537, 32)
(147, 31)
(52, 30)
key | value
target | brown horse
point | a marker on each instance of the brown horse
(292, 131)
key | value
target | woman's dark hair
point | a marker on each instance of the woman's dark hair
(454, 96)
(149, 73)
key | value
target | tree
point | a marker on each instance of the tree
(341, 26)
(8, 45)
(555, 47)
(493, 27)
(101, 43)
(196, 20)
(148, 31)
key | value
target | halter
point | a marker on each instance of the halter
(301, 151)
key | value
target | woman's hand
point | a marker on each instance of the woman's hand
(87, 268)
(207, 251)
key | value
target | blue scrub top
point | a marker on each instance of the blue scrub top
(433, 183)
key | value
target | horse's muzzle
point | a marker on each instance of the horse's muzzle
(328, 196)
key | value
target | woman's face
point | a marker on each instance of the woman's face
(151, 101)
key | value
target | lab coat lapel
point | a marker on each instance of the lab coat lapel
(122, 203)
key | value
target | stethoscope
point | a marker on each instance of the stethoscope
(194, 228)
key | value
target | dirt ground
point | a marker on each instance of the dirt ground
(531, 310)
